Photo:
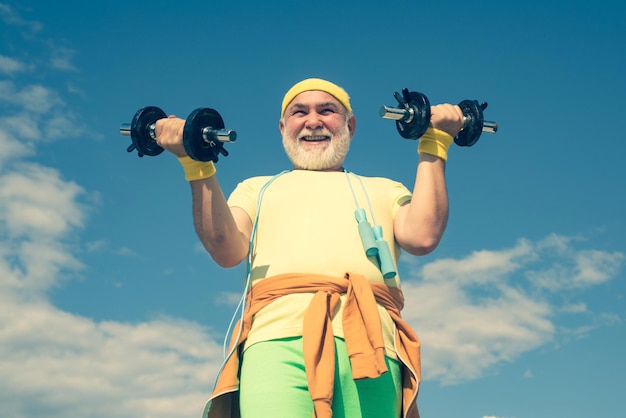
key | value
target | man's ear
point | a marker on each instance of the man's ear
(281, 126)
(351, 125)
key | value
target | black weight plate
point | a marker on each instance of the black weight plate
(473, 124)
(140, 130)
(195, 145)
(421, 118)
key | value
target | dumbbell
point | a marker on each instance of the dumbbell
(203, 134)
(413, 117)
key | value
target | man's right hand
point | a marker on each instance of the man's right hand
(169, 135)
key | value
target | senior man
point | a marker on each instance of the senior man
(322, 333)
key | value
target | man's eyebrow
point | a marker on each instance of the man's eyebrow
(328, 104)
(297, 105)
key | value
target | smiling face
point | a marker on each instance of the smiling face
(317, 130)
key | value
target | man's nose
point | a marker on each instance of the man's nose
(313, 120)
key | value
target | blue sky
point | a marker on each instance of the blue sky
(108, 304)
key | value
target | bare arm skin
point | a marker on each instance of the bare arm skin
(223, 231)
(420, 224)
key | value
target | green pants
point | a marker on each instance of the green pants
(273, 384)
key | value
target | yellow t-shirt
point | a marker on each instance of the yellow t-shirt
(307, 224)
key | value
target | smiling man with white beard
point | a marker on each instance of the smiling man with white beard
(321, 333)
(309, 141)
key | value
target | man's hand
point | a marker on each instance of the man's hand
(169, 135)
(447, 118)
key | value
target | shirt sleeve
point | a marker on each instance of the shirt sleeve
(399, 196)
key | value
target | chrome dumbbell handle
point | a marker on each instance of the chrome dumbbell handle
(125, 130)
(397, 113)
(489, 126)
(222, 135)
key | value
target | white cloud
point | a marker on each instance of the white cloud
(36, 200)
(57, 364)
(24, 126)
(11, 17)
(30, 115)
(38, 210)
(574, 308)
(126, 252)
(601, 320)
(96, 246)
(9, 65)
(34, 98)
(480, 267)
(596, 267)
(61, 59)
(12, 148)
(571, 269)
(227, 299)
(475, 313)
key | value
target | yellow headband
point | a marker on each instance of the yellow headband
(316, 84)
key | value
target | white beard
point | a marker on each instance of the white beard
(318, 158)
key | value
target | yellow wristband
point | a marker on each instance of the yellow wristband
(196, 170)
(435, 142)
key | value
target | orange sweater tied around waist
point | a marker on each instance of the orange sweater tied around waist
(362, 333)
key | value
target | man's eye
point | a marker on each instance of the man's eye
(328, 111)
